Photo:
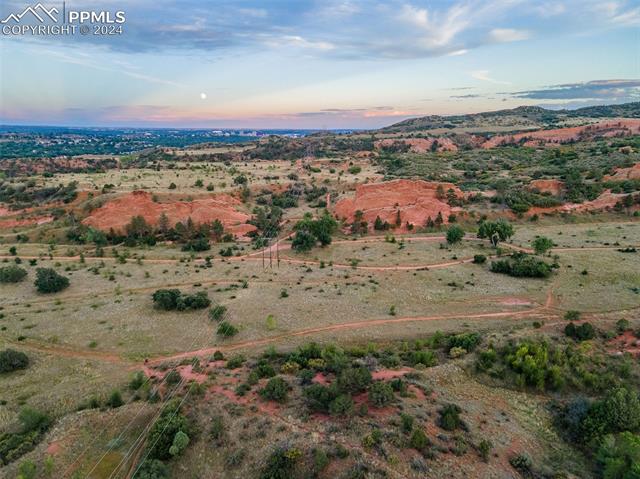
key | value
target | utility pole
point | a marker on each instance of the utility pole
(270, 259)
(277, 252)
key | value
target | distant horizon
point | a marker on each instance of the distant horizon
(291, 128)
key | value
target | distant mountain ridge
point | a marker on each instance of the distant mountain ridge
(521, 117)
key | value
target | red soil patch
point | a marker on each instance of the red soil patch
(515, 302)
(416, 200)
(230, 395)
(386, 374)
(621, 174)
(558, 136)
(320, 378)
(363, 398)
(119, 211)
(625, 343)
(417, 392)
(54, 448)
(419, 145)
(38, 220)
(189, 374)
(365, 154)
(553, 187)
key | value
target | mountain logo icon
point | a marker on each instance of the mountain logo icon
(38, 11)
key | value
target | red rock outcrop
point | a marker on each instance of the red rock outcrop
(553, 187)
(609, 128)
(416, 200)
(119, 211)
(621, 174)
(419, 145)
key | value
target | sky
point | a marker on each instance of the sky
(319, 64)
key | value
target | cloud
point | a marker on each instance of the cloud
(118, 66)
(484, 76)
(616, 12)
(299, 42)
(506, 35)
(462, 97)
(614, 90)
(343, 29)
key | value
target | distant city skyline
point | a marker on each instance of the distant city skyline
(320, 64)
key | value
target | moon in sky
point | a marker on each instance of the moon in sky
(203, 96)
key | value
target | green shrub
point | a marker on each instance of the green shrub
(276, 389)
(174, 299)
(217, 429)
(164, 430)
(583, 332)
(618, 411)
(479, 259)
(572, 315)
(152, 469)
(381, 394)
(521, 265)
(619, 456)
(115, 399)
(354, 380)
(48, 281)
(406, 422)
(166, 299)
(137, 381)
(319, 397)
(12, 360)
(235, 361)
(419, 440)
(541, 245)
(199, 300)
(196, 245)
(280, 463)
(495, 231)
(341, 405)
(179, 444)
(27, 470)
(426, 358)
(466, 341)
(521, 462)
(173, 377)
(33, 425)
(217, 312)
(454, 234)
(484, 449)
(12, 274)
(226, 329)
(450, 417)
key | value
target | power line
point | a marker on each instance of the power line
(114, 443)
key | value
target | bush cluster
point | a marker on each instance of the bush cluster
(174, 299)
(522, 265)
(49, 281)
(33, 425)
(11, 360)
(12, 274)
